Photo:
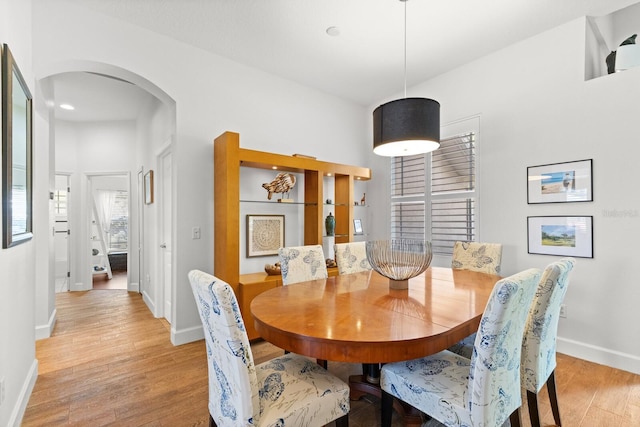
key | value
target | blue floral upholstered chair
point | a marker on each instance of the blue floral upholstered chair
(539, 342)
(302, 263)
(289, 390)
(351, 257)
(474, 256)
(481, 391)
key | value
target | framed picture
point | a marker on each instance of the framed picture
(17, 173)
(148, 187)
(560, 182)
(265, 235)
(560, 235)
(357, 226)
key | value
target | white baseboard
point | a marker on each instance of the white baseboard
(149, 302)
(78, 286)
(44, 331)
(133, 287)
(185, 336)
(600, 355)
(17, 414)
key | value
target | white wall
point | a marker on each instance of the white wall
(212, 95)
(536, 108)
(18, 366)
(88, 149)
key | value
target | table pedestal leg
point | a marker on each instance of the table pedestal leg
(369, 383)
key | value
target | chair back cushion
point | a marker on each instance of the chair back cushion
(494, 376)
(539, 342)
(474, 256)
(302, 263)
(351, 257)
(233, 385)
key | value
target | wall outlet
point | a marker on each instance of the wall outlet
(563, 310)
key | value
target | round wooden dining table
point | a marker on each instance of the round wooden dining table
(357, 318)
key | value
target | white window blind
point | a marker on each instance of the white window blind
(408, 197)
(450, 175)
(119, 222)
(453, 184)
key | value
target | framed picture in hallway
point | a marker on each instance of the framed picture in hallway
(17, 173)
(148, 187)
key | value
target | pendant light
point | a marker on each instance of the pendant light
(406, 126)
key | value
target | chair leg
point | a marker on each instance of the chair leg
(386, 409)
(514, 418)
(343, 421)
(553, 397)
(532, 401)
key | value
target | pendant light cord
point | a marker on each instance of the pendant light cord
(405, 47)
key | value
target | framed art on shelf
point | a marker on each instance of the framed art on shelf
(560, 182)
(357, 226)
(265, 235)
(148, 187)
(560, 235)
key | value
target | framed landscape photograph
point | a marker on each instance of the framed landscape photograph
(560, 235)
(265, 235)
(560, 182)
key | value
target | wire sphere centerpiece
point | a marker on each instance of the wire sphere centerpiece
(399, 259)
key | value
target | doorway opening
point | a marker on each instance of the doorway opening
(109, 231)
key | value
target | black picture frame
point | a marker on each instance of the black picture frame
(560, 235)
(17, 145)
(566, 182)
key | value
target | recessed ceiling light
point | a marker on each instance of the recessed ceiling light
(67, 107)
(333, 31)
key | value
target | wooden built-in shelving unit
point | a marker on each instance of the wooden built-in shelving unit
(228, 159)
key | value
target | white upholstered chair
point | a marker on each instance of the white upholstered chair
(475, 256)
(483, 390)
(539, 341)
(302, 263)
(288, 390)
(351, 257)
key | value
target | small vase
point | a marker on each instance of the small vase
(330, 224)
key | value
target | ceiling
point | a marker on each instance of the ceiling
(365, 62)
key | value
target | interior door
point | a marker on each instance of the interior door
(166, 247)
(61, 233)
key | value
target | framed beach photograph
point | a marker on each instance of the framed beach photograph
(265, 235)
(560, 182)
(357, 226)
(560, 235)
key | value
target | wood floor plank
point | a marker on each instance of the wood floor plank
(110, 362)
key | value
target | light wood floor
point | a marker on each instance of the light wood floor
(110, 362)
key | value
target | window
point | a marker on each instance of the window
(119, 222)
(446, 212)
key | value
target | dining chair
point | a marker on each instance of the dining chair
(539, 342)
(302, 263)
(286, 390)
(483, 390)
(475, 256)
(351, 257)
